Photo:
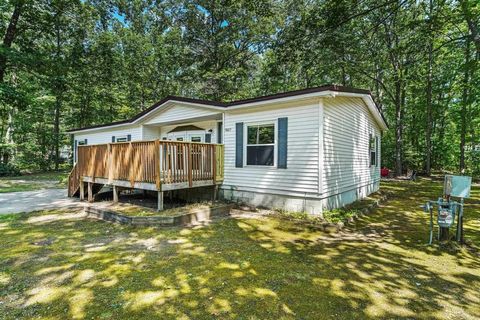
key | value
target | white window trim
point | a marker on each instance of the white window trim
(196, 133)
(186, 135)
(275, 144)
(373, 136)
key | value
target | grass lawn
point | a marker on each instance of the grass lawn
(30, 182)
(56, 265)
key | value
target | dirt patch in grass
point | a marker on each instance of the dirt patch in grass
(132, 210)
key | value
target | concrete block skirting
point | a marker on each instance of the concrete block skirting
(311, 205)
(182, 219)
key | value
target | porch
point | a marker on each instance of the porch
(156, 165)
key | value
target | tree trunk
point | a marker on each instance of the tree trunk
(472, 25)
(7, 154)
(9, 37)
(56, 130)
(463, 112)
(59, 95)
(429, 118)
(398, 128)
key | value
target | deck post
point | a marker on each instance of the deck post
(157, 170)
(82, 190)
(215, 192)
(190, 175)
(90, 192)
(115, 194)
(160, 201)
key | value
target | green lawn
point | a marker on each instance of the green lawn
(56, 265)
(30, 182)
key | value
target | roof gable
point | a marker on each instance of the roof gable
(173, 111)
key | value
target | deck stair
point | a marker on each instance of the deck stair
(74, 182)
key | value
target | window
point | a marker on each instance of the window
(196, 139)
(179, 139)
(121, 139)
(261, 145)
(82, 142)
(373, 150)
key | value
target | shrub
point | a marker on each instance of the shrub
(8, 170)
(338, 215)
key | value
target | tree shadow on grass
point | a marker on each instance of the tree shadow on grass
(234, 268)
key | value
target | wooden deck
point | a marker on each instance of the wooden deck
(149, 165)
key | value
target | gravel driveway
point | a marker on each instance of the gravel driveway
(14, 202)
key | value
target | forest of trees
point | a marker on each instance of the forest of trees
(72, 63)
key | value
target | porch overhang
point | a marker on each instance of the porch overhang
(184, 121)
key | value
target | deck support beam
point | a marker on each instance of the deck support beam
(160, 201)
(82, 191)
(115, 194)
(215, 192)
(90, 192)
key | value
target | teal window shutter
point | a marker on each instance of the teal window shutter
(239, 145)
(113, 138)
(129, 137)
(282, 148)
(208, 137)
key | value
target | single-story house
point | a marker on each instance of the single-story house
(306, 150)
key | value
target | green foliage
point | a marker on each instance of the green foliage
(8, 170)
(339, 215)
(78, 63)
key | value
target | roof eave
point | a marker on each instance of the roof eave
(327, 90)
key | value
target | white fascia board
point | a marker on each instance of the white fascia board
(106, 127)
(281, 100)
(366, 97)
(139, 120)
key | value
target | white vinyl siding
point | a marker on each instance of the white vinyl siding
(301, 176)
(150, 133)
(179, 112)
(105, 135)
(347, 127)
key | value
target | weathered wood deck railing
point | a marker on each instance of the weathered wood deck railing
(164, 165)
